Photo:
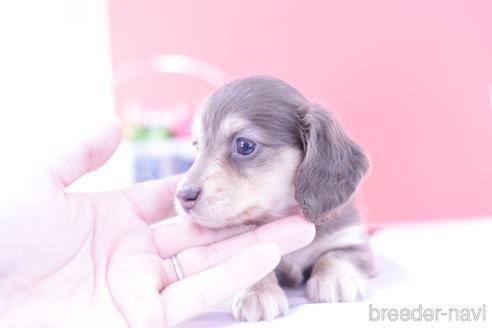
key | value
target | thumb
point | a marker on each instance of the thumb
(88, 154)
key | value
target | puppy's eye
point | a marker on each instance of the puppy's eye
(245, 146)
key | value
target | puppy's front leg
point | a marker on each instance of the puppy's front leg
(265, 300)
(340, 276)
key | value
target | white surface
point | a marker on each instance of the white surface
(439, 265)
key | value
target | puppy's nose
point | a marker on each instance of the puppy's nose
(187, 196)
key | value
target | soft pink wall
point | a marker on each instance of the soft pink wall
(410, 80)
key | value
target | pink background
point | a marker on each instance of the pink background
(409, 79)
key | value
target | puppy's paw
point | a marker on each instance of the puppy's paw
(342, 283)
(264, 303)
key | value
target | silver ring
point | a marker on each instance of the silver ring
(177, 268)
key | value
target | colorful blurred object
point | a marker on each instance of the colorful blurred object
(159, 140)
(160, 134)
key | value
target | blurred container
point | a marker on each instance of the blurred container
(160, 158)
(160, 141)
(158, 120)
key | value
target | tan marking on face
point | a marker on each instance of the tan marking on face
(196, 127)
(230, 199)
(231, 125)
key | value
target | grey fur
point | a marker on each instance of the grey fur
(333, 164)
(266, 102)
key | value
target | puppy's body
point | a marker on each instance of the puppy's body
(344, 235)
(265, 151)
(333, 268)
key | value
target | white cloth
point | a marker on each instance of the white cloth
(444, 264)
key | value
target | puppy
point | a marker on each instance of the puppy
(265, 151)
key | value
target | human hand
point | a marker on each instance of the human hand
(94, 260)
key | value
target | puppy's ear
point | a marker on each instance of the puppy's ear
(333, 164)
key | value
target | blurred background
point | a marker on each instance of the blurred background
(410, 80)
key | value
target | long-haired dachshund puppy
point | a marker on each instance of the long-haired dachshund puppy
(265, 151)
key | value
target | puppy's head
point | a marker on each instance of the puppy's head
(262, 149)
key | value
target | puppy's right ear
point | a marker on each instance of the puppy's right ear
(333, 164)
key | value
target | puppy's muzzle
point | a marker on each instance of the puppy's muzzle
(187, 196)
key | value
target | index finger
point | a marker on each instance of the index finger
(153, 200)
(285, 231)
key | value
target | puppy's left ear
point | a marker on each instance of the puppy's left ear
(333, 164)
